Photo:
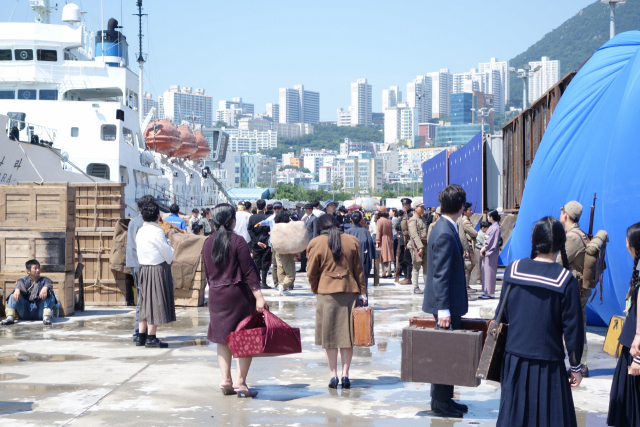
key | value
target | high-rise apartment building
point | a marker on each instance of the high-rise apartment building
(472, 81)
(237, 103)
(363, 174)
(419, 97)
(273, 111)
(493, 86)
(391, 97)
(547, 76)
(441, 87)
(251, 141)
(360, 103)
(148, 103)
(461, 105)
(401, 123)
(181, 104)
(299, 106)
(344, 117)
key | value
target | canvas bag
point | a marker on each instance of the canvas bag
(261, 335)
(290, 237)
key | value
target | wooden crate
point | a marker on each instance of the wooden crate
(62, 287)
(53, 249)
(99, 205)
(194, 296)
(42, 207)
(102, 286)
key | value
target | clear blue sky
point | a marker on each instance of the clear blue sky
(251, 48)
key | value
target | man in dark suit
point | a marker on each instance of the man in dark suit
(445, 294)
(310, 224)
(260, 243)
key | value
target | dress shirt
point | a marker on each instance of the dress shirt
(318, 213)
(153, 248)
(242, 222)
(447, 313)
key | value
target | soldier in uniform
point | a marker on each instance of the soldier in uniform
(436, 217)
(406, 206)
(468, 239)
(418, 234)
(576, 248)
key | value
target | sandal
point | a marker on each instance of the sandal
(245, 392)
(227, 390)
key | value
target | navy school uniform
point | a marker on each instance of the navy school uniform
(624, 400)
(542, 307)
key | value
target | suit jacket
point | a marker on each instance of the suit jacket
(312, 226)
(446, 287)
(258, 234)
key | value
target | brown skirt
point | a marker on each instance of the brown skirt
(334, 320)
(157, 304)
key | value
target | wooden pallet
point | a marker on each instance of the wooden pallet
(194, 296)
(38, 207)
(99, 205)
(62, 287)
(53, 249)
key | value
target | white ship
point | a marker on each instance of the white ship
(72, 110)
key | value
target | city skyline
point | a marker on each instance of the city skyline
(257, 74)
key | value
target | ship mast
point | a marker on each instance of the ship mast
(141, 60)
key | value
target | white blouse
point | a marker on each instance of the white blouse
(153, 248)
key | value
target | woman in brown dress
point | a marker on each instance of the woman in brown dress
(234, 293)
(334, 270)
(384, 241)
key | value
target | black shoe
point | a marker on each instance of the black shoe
(135, 336)
(265, 287)
(155, 344)
(445, 409)
(141, 340)
(334, 382)
(345, 382)
(417, 291)
(301, 271)
(460, 406)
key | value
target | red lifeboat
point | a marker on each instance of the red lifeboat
(203, 146)
(162, 136)
(188, 146)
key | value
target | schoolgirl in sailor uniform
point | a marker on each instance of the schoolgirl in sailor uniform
(624, 400)
(542, 307)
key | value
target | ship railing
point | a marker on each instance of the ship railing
(166, 198)
(49, 73)
(20, 130)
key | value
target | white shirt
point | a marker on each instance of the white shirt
(317, 212)
(153, 248)
(192, 220)
(447, 313)
(242, 222)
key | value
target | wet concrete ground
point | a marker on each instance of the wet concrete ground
(86, 371)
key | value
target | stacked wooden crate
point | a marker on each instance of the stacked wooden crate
(38, 222)
(194, 295)
(98, 207)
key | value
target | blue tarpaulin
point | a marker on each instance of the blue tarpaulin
(465, 169)
(434, 178)
(592, 145)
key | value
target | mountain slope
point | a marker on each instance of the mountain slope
(575, 40)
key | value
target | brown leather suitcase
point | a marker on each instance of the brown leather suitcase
(439, 356)
(481, 325)
(490, 365)
(363, 335)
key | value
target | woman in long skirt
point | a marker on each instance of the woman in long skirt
(490, 253)
(624, 400)
(542, 308)
(157, 305)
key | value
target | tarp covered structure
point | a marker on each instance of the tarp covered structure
(434, 178)
(592, 145)
(465, 169)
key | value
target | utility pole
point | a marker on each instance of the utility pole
(525, 73)
(141, 60)
(612, 20)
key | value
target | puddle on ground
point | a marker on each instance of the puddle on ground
(197, 342)
(8, 377)
(46, 388)
(16, 357)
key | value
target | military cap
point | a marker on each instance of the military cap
(277, 205)
(406, 201)
(438, 211)
(573, 209)
(419, 205)
(308, 206)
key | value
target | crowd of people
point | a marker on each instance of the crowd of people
(544, 302)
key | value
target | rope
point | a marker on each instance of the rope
(34, 166)
(95, 213)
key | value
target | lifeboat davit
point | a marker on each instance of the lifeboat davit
(162, 136)
(188, 146)
(203, 146)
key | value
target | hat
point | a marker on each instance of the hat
(573, 209)
(419, 205)
(406, 201)
(277, 205)
(329, 202)
(308, 206)
(438, 211)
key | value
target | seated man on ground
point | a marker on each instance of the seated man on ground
(33, 297)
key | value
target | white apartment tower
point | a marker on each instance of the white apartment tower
(503, 68)
(360, 103)
(147, 103)
(344, 117)
(299, 106)
(441, 87)
(179, 104)
(391, 97)
(542, 81)
(419, 97)
(401, 123)
(473, 81)
(273, 111)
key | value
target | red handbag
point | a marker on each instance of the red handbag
(263, 335)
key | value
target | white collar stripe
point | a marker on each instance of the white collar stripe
(540, 279)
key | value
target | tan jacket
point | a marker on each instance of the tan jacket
(467, 233)
(418, 231)
(576, 248)
(430, 228)
(326, 276)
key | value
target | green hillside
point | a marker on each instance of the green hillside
(576, 39)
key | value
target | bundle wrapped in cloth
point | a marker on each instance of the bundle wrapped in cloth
(289, 238)
(187, 251)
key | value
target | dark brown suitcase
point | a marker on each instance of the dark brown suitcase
(481, 325)
(490, 364)
(439, 356)
(363, 335)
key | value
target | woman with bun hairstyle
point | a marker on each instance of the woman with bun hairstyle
(234, 293)
(624, 400)
(490, 253)
(542, 308)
